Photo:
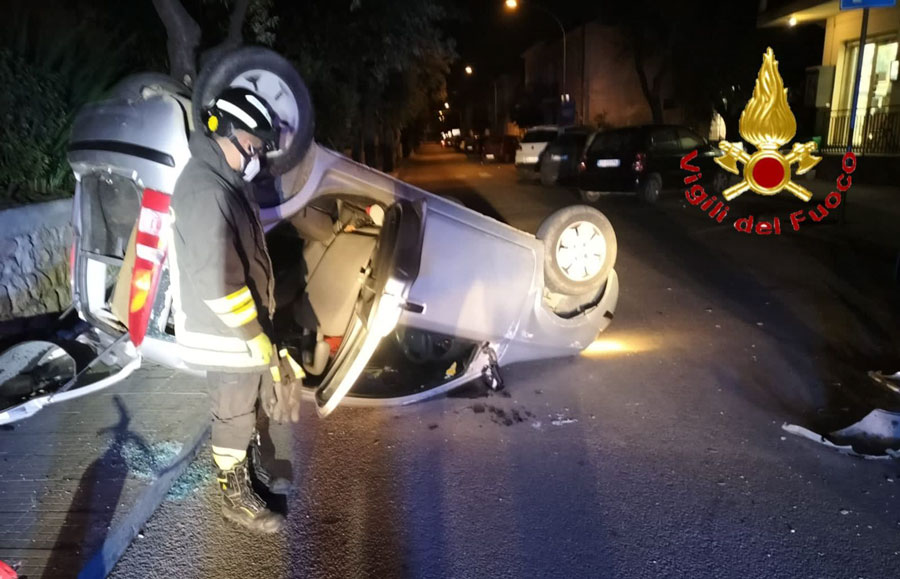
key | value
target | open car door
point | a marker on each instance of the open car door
(394, 267)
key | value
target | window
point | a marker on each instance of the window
(664, 141)
(540, 136)
(875, 80)
(615, 141)
(690, 141)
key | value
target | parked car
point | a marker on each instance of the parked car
(644, 160)
(388, 294)
(560, 160)
(532, 145)
(475, 145)
(500, 149)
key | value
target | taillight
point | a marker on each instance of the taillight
(639, 161)
(150, 253)
(72, 262)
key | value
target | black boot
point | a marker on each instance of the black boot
(277, 485)
(241, 505)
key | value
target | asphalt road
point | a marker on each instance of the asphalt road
(661, 456)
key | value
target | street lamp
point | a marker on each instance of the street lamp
(469, 70)
(446, 105)
(513, 4)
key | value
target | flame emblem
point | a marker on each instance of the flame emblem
(767, 123)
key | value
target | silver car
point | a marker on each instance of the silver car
(387, 293)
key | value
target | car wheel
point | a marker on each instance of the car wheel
(579, 249)
(275, 80)
(650, 189)
(548, 177)
(719, 182)
(589, 196)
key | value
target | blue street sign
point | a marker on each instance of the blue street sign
(852, 4)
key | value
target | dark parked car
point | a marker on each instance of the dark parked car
(500, 149)
(559, 161)
(644, 160)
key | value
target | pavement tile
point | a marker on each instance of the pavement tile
(63, 481)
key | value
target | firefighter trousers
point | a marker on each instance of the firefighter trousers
(233, 399)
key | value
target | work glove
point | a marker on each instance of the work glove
(261, 349)
(282, 399)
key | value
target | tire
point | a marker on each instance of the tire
(650, 189)
(589, 196)
(241, 67)
(586, 223)
(548, 177)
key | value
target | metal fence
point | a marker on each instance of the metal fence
(877, 131)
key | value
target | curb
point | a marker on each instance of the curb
(121, 536)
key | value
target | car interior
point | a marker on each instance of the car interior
(323, 262)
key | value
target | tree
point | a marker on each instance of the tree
(372, 66)
(185, 34)
(652, 31)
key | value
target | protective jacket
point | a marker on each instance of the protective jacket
(222, 271)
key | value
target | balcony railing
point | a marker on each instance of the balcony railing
(877, 131)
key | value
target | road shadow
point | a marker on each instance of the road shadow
(95, 502)
(468, 196)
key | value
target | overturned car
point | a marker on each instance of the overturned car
(387, 293)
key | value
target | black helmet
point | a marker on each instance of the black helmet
(239, 108)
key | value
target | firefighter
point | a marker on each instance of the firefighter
(225, 302)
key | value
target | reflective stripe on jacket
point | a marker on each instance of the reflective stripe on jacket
(221, 265)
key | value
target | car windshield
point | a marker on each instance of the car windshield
(539, 136)
(615, 141)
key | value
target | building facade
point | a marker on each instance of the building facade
(830, 86)
(600, 78)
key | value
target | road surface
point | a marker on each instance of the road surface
(661, 454)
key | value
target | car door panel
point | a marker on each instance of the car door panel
(395, 266)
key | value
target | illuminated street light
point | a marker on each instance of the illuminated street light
(469, 68)
(514, 4)
(792, 21)
(446, 105)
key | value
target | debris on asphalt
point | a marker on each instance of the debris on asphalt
(879, 429)
(562, 420)
(148, 461)
(890, 381)
(845, 512)
(843, 449)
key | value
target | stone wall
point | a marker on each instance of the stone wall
(35, 241)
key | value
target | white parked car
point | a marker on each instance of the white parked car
(531, 147)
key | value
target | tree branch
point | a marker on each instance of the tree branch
(183, 35)
(235, 32)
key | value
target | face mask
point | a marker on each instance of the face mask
(251, 168)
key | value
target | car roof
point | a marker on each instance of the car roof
(542, 128)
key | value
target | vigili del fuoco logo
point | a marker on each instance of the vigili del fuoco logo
(768, 124)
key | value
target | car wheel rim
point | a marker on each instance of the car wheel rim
(277, 95)
(581, 251)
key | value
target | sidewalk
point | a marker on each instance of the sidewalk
(68, 474)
